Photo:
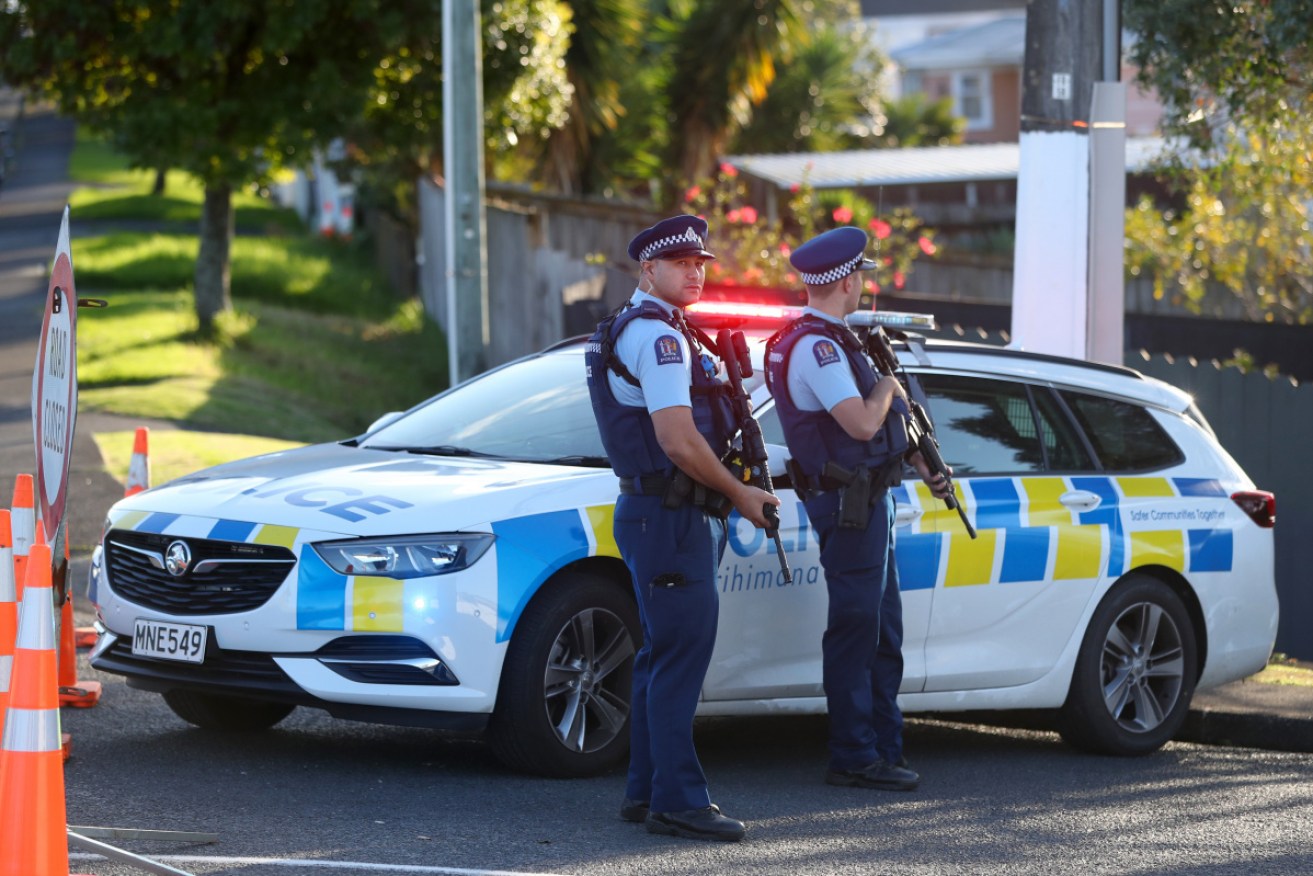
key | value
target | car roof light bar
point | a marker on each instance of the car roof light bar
(893, 319)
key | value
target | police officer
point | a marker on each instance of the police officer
(846, 431)
(666, 422)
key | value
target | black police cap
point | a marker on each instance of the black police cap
(831, 256)
(671, 238)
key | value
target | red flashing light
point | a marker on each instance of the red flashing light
(745, 310)
(1260, 505)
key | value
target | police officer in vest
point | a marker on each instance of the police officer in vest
(846, 431)
(666, 424)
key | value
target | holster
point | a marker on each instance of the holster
(682, 488)
(854, 496)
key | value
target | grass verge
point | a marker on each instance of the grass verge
(176, 452)
(315, 348)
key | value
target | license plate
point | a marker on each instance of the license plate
(168, 641)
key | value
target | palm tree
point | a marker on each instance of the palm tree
(723, 61)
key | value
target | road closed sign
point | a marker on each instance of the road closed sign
(55, 387)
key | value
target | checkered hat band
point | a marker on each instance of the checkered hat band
(687, 238)
(838, 272)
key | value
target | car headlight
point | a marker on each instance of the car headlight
(409, 556)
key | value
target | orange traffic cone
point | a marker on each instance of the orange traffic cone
(24, 526)
(33, 838)
(72, 692)
(83, 637)
(139, 466)
(8, 613)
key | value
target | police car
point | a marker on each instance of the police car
(454, 568)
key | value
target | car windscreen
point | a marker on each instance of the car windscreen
(535, 409)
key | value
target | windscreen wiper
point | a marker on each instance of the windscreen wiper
(588, 461)
(447, 450)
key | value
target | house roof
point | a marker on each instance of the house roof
(917, 165)
(997, 43)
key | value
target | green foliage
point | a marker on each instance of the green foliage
(915, 120)
(753, 250)
(822, 100)
(310, 273)
(1247, 60)
(273, 371)
(1245, 227)
(397, 135)
(225, 91)
(709, 101)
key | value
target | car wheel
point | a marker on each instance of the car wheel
(1135, 673)
(218, 712)
(563, 703)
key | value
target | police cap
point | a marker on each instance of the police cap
(829, 257)
(671, 238)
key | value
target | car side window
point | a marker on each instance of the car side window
(1125, 436)
(984, 426)
(1063, 448)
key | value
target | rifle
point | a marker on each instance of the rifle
(920, 431)
(733, 350)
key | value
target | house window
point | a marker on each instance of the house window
(972, 99)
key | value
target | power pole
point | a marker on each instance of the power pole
(468, 332)
(1067, 294)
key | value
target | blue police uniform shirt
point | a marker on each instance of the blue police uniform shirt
(658, 356)
(819, 377)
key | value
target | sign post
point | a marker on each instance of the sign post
(54, 392)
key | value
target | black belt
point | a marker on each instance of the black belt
(646, 485)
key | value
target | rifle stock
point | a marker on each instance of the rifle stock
(733, 350)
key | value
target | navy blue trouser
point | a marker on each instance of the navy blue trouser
(673, 556)
(862, 649)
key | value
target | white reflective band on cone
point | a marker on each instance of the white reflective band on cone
(39, 633)
(6, 668)
(32, 731)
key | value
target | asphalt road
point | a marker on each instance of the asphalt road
(398, 800)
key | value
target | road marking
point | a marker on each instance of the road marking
(325, 865)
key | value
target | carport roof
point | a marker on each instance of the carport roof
(918, 165)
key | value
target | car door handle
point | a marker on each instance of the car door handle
(1080, 500)
(906, 514)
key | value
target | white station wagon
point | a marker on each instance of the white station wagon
(455, 568)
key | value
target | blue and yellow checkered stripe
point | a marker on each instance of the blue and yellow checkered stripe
(1026, 534)
(529, 549)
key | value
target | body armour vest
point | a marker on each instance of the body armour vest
(815, 437)
(627, 431)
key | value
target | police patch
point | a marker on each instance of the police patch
(825, 352)
(668, 351)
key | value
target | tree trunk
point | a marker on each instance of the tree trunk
(212, 261)
(161, 176)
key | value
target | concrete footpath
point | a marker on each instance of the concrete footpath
(36, 188)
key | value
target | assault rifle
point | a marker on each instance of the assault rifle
(754, 461)
(920, 431)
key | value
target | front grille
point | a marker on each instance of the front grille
(223, 577)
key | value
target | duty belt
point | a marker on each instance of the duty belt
(646, 485)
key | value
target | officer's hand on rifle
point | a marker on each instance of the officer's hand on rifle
(752, 502)
(938, 484)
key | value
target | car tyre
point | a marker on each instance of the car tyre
(1135, 673)
(563, 703)
(219, 712)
